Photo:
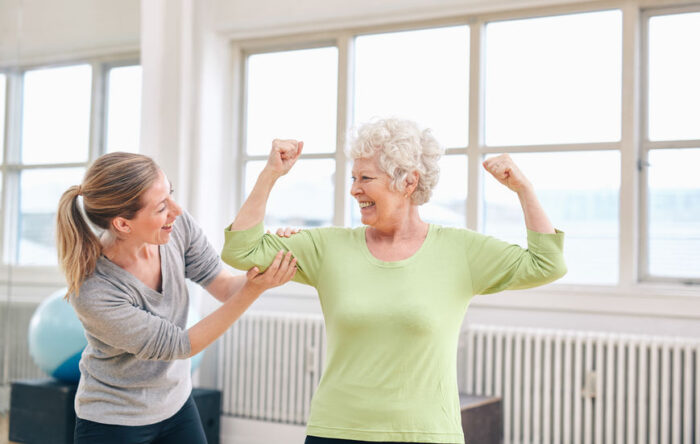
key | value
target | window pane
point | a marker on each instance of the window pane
(674, 69)
(580, 193)
(448, 204)
(3, 89)
(40, 191)
(418, 75)
(56, 117)
(674, 213)
(292, 95)
(554, 79)
(124, 109)
(302, 198)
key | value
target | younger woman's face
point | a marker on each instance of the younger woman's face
(154, 222)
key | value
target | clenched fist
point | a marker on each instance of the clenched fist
(507, 172)
(283, 155)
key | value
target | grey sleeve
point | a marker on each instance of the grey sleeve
(109, 316)
(202, 262)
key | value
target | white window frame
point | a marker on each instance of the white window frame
(11, 167)
(632, 282)
(646, 145)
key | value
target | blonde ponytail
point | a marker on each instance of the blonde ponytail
(112, 187)
(78, 247)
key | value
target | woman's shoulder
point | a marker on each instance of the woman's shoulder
(443, 232)
(335, 234)
(101, 285)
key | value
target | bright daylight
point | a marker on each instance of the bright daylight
(322, 223)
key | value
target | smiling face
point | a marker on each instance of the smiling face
(371, 187)
(154, 222)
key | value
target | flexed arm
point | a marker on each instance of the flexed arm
(507, 172)
(283, 156)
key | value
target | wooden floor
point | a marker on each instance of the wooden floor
(4, 429)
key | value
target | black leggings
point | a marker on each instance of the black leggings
(184, 427)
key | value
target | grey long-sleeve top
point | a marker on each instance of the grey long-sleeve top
(134, 369)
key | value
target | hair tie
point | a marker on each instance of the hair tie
(80, 190)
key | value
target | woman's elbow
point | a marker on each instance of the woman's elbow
(233, 259)
(558, 270)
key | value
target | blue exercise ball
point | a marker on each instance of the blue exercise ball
(57, 338)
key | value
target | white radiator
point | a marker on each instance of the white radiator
(583, 387)
(557, 386)
(270, 364)
(15, 361)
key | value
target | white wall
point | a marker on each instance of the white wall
(40, 30)
(241, 18)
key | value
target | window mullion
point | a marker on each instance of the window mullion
(10, 188)
(630, 217)
(341, 213)
(476, 125)
(98, 112)
(241, 68)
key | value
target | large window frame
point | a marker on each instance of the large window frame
(12, 166)
(647, 145)
(633, 149)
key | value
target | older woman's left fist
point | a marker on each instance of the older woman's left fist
(283, 155)
(507, 172)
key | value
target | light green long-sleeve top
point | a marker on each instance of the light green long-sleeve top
(392, 327)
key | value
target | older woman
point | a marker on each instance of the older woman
(394, 292)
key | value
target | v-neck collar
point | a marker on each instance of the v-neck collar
(128, 276)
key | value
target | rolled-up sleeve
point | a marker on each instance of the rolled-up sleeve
(110, 317)
(245, 249)
(202, 264)
(496, 265)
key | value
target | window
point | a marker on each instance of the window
(546, 89)
(551, 80)
(542, 90)
(671, 147)
(53, 141)
(123, 109)
(674, 213)
(3, 89)
(579, 190)
(419, 75)
(298, 103)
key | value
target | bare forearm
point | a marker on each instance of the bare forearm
(535, 217)
(206, 331)
(253, 210)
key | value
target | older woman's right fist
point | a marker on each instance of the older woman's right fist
(283, 155)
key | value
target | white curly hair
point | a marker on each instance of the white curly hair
(401, 148)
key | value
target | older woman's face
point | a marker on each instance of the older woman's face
(379, 204)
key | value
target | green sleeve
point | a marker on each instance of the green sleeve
(246, 249)
(496, 265)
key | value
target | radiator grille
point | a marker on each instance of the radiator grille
(15, 361)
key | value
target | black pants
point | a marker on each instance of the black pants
(317, 440)
(184, 427)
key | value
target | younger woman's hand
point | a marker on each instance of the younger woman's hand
(281, 270)
(286, 232)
